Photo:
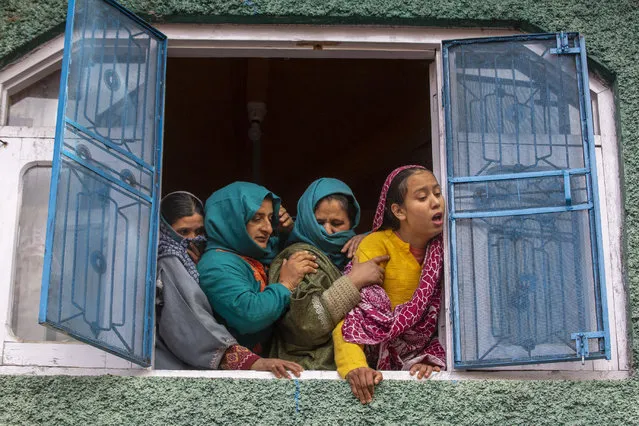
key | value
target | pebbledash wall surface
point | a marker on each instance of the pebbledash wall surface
(611, 29)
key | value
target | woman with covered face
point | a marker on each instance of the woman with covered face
(239, 226)
(187, 334)
(327, 214)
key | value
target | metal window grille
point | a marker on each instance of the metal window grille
(527, 277)
(99, 272)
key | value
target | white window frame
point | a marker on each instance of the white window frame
(32, 145)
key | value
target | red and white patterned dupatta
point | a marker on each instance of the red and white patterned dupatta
(397, 339)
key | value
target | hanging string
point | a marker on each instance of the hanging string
(297, 395)
(252, 5)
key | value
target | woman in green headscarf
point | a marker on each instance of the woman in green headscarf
(238, 223)
(327, 214)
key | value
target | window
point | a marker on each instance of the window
(100, 258)
(102, 162)
(526, 255)
(29, 257)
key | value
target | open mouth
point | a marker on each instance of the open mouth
(438, 218)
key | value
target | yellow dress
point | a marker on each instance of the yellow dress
(401, 279)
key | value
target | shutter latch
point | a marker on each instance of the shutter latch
(581, 343)
(563, 45)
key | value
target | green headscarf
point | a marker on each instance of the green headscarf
(227, 212)
(306, 228)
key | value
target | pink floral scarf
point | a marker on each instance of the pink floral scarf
(397, 339)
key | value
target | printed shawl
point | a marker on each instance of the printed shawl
(172, 244)
(398, 338)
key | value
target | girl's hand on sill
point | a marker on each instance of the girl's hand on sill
(363, 381)
(423, 370)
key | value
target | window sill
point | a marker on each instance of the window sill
(316, 375)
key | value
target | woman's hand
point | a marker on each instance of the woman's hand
(363, 381)
(423, 370)
(351, 245)
(295, 267)
(285, 221)
(367, 273)
(278, 367)
(194, 253)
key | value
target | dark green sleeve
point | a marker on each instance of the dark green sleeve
(319, 302)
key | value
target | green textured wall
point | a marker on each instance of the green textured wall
(124, 401)
(612, 33)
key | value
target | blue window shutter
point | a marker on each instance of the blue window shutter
(525, 234)
(99, 269)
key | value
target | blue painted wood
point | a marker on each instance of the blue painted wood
(598, 267)
(455, 317)
(149, 318)
(110, 145)
(520, 212)
(510, 176)
(55, 167)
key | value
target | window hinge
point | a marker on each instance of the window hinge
(563, 45)
(443, 99)
(581, 342)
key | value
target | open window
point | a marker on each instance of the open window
(525, 234)
(520, 172)
(99, 268)
(324, 117)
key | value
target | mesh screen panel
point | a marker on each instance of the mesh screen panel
(523, 225)
(515, 106)
(112, 80)
(99, 245)
(102, 232)
(525, 284)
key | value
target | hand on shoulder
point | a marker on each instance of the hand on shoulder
(367, 273)
(350, 248)
(296, 267)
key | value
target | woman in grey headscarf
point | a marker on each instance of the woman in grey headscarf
(188, 336)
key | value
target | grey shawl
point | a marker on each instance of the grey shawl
(188, 336)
